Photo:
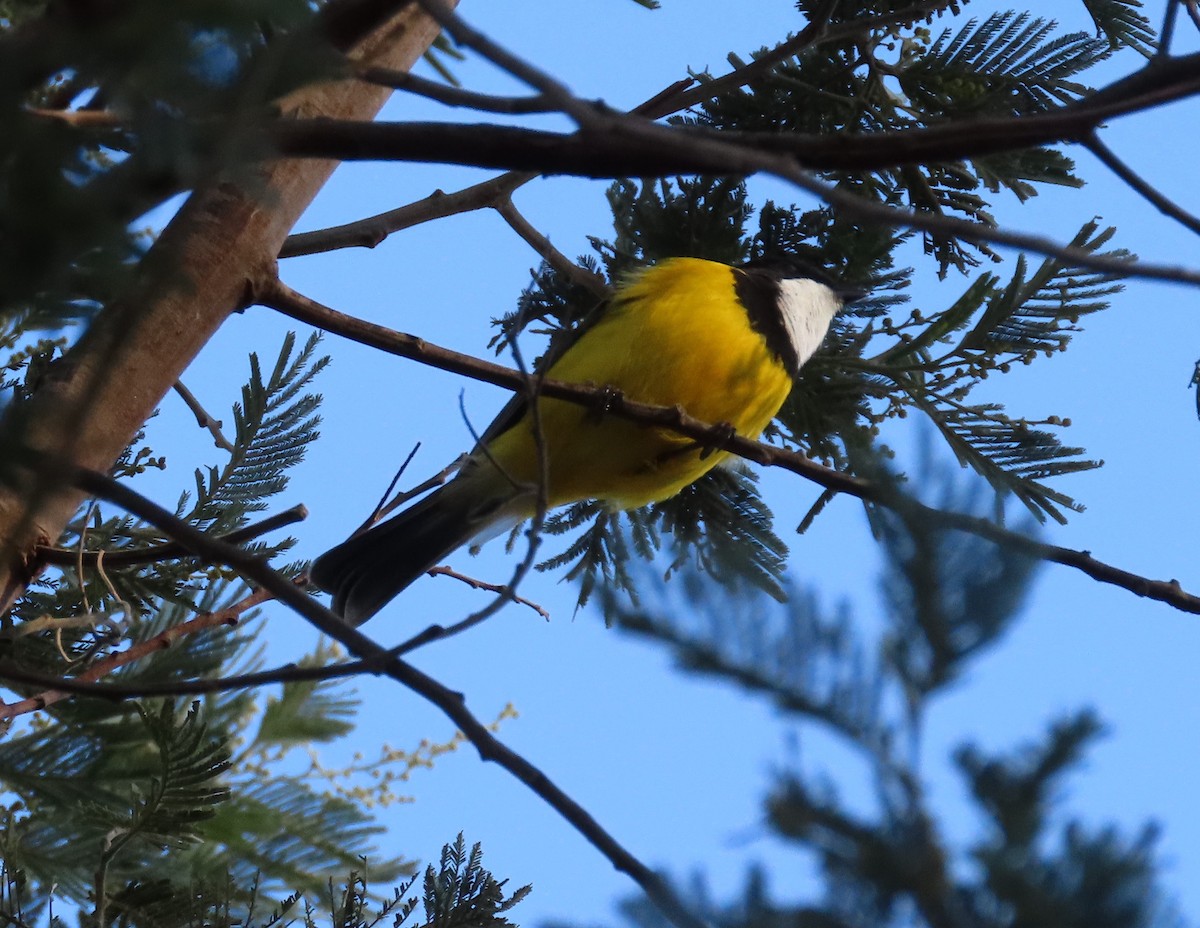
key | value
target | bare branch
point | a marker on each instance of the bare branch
(810, 35)
(372, 230)
(61, 557)
(1166, 34)
(203, 419)
(607, 401)
(877, 212)
(547, 86)
(870, 211)
(285, 673)
(77, 686)
(454, 96)
(625, 145)
(551, 255)
(621, 153)
(61, 688)
(476, 584)
(369, 232)
(424, 487)
(969, 231)
(489, 146)
(1156, 198)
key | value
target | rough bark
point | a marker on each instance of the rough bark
(196, 274)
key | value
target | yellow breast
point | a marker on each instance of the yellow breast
(674, 335)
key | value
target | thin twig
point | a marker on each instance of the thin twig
(381, 507)
(761, 66)
(1167, 33)
(1193, 9)
(551, 255)
(126, 606)
(476, 584)
(423, 487)
(45, 623)
(508, 592)
(369, 232)
(203, 419)
(617, 152)
(1156, 198)
(78, 558)
(547, 86)
(101, 668)
(483, 448)
(280, 297)
(454, 96)
(77, 686)
(61, 557)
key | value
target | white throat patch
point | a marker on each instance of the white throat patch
(807, 308)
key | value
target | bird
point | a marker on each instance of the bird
(723, 342)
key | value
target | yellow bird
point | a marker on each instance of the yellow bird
(724, 343)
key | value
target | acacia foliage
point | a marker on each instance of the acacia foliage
(140, 809)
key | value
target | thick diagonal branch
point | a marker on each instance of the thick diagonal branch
(376, 659)
(621, 147)
(279, 297)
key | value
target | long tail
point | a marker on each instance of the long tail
(364, 572)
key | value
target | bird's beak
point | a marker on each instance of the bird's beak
(849, 294)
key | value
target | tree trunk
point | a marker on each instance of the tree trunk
(197, 273)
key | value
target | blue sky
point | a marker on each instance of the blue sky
(675, 767)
